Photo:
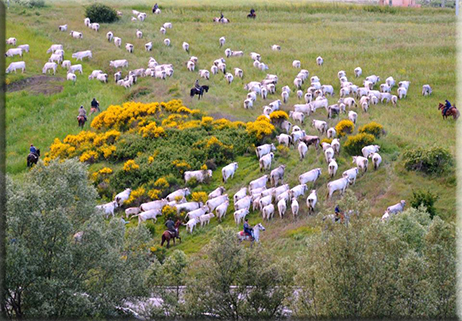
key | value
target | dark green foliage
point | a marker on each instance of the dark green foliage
(355, 143)
(151, 227)
(435, 160)
(425, 198)
(98, 12)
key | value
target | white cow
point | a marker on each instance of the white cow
(370, 149)
(129, 47)
(222, 209)
(337, 185)
(310, 176)
(228, 171)
(191, 224)
(148, 215)
(302, 149)
(298, 190)
(82, 54)
(185, 47)
(108, 208)
(49, 65)
(153, 205)
(351, 174)
(397, 207)
(13, 52)
(240, 194)
(319, 61)
(295, 207)
(197, 212)
(311, 201)
(320, 125)
(74, 68)
(259, 182)
(282, 208)
(199, 175)
(214, 202)
(118, 41)
(268, 212)
(16, 65)
(67, 64)
(118, 63)
(132, 211)
(71, 76)
(262, 150)
(122, 196)
(376, 160)
(332, 167)
(353, 116)
(55, 47)
(205, 219)
(239, 215)
(188, 206)
(75, 34)
(361, 162)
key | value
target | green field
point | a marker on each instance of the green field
(418, 45)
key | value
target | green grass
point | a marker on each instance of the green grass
(408, 44)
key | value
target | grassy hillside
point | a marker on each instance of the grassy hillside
(409, 44)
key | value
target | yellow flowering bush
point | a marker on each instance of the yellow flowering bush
(161, 183)
(189, 125)
(169, 212)
(372, 128)
(199, 197)
(107, 151)
(135, 196)
(154, 194)
(344, 127)
(181, 165)
(89, 157)
(131, 165)
(206, 122)
(152, 131)
(108, 137)
(278, 115)
(259, 129)
(263, 118)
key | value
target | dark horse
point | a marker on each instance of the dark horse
(167, 236)
(453, 111)
(199, 92)
(33, 158)
(81, 120)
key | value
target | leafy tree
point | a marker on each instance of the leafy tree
(50, 274)
(99, 12)
(235, 282)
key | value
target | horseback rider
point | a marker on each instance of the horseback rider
(155, 8)
(171, 227)
(447, 106)
(247, 228)
(82, 112)
(221, 16)
(196, 85)
(95, 104)
(337, 213)
(32, 149)
(252, 12)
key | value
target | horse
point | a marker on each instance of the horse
(33, 158)
(241, 236)
(199, 92)
(252, 15)
(341, 218)
(81, 120)
(167, 236)
(94, 110)
(453, 111)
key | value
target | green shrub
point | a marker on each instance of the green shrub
(355, 143)
(344, 127)
(98, 12)
(159, 252)
(435, 160)
(426, 199)
(283, 151)
(151, 227)
(372, 128)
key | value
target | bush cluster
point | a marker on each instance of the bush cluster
(98, 12)
(435, 160)
(426, 199)
(344, 127)
(372, 128)
(355, 143)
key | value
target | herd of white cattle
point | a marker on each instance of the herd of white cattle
(257, 196)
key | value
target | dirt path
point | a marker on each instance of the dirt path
(46, 85)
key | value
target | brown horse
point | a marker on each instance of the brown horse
(167, 236)
(81, 120)
(453, 111)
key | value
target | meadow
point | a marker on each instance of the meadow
(418, 45)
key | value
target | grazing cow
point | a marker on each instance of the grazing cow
(302, 149)
(148, 215)
(244, 202)
(132, 211)
(262, 150)
(118, 63)
(332, 168)
(191, 224)
(358, 72)
(298, 190)
(118, 41)
(295, 207)
(158, 205)
(13, 52)
(240, 194)
(239, 215)
(370, 149)
(16, 65)
(82, 54)
(197, 212)
(216, 192)
(214, 202)
(259, 182)
(49, 65)
(205, 219)
(265, 161)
